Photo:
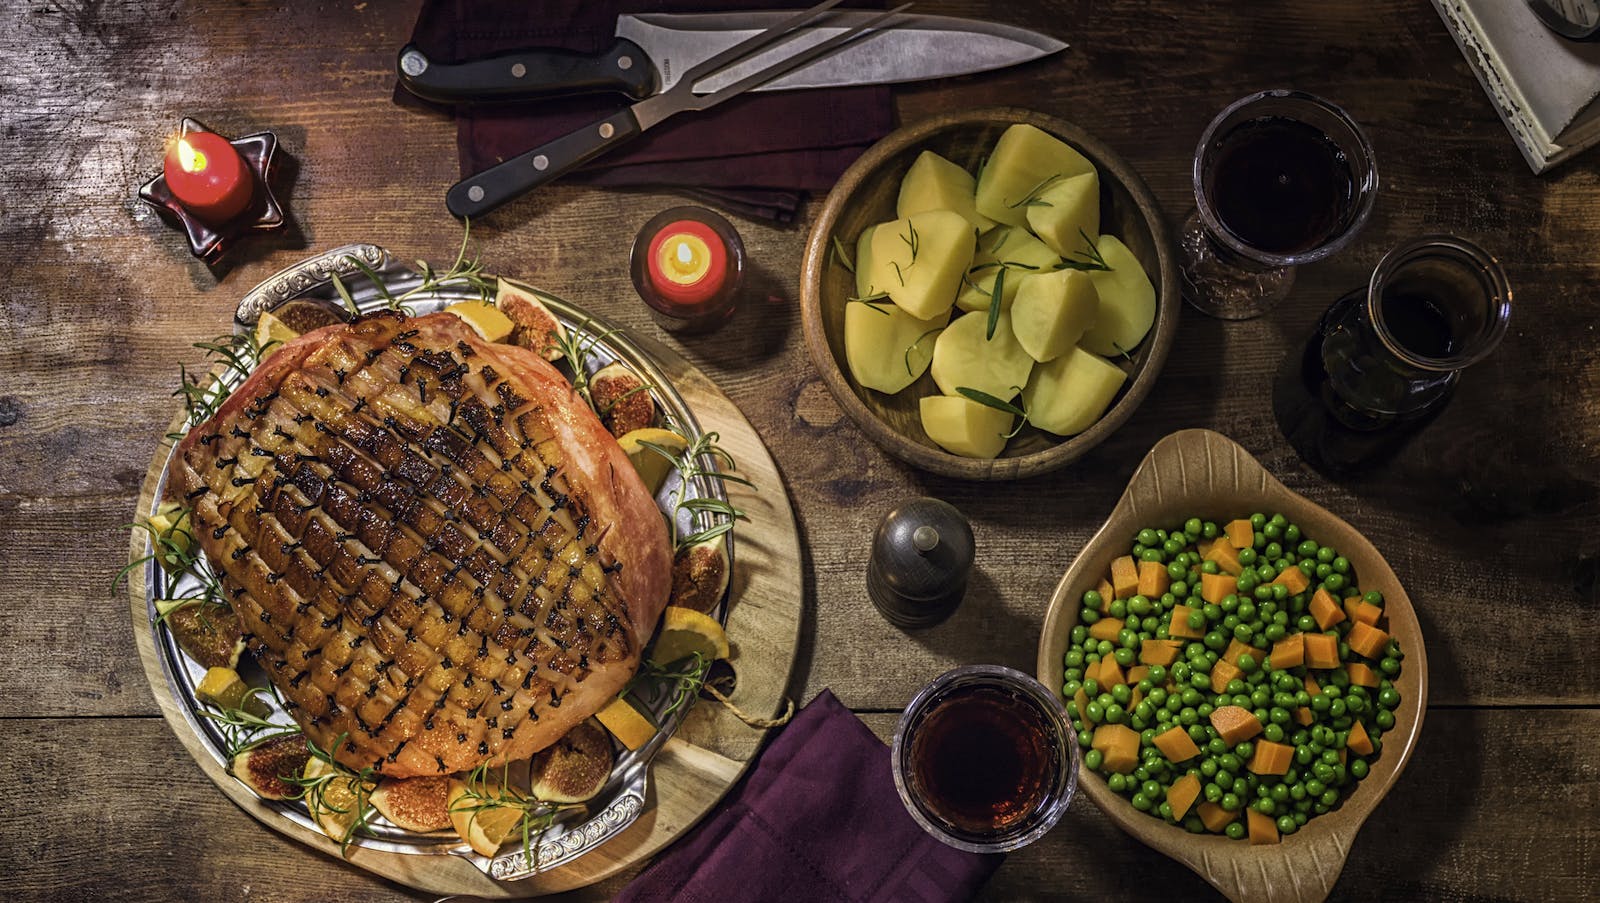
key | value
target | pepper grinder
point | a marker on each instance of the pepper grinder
(921, 556)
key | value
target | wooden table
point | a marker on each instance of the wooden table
(1489, 517)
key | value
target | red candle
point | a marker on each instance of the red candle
(687, 262)
(208, 177)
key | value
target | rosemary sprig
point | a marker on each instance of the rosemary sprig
(708, 517)
(840, 255)
(315, 790)
(913, 240)
(462, 271)
(875, 296)
(1095, 261)
(1031, 199)
(913, 347)
(577, 345)
(999, 404)
(679, 682)
(243, 728)
(996, 297)
(484, 793)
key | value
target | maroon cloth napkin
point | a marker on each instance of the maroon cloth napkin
(816, 819)
(753, 155)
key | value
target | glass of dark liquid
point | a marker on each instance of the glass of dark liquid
(985, 760)
(1385, 358)
(1281, 178)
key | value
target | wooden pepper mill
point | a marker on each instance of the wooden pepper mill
(921, 556)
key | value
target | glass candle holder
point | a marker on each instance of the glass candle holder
(1281, 178)
(688, 265)
(985, 759)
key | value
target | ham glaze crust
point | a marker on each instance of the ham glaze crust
(438, 552)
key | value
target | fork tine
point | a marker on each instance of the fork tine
(789, 64)
(754, 43)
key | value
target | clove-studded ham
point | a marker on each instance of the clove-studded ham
(439, 554)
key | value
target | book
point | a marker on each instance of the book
(1546, 88)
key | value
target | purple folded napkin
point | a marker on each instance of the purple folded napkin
(754, 155)
(818, 819)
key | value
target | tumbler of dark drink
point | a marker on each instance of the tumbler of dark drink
(1281, 178)
(985, 759)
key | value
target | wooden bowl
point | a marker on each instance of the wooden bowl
(866, 195)
(1198, 473)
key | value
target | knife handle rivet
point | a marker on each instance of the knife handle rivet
(541, 163)
(607, 130)
(624, 62)
(519, 70)
(475, 193)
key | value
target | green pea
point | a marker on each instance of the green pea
(1121, 693)
(1092, 759)
(1155, 555)
(1234, 830)
(1209, 530)
(1243, 633)
(1089, 616)
(1291, 533)
(1373, 597)
(1176, 570)
(1324, 571)
(1117, 782)
(1315, 787)
(1210, 567)
(1085, 738)
(1158, 675)
(1273, 732)
(1388, 697)
(1104, 647)
(1095, 711)
(1141, 802)
(1271, 531)
(1384, 719)
(1192, 528)
(1333, 582)
(1358, 768)
(1306, 549)
(1273, 552)
(1389, 665)
(1287, 824)
(1229, 762)
(1092, 600)
(1247, 557)
(1231, 802)
(1179, 589)
(1146, 537)
(1341, 565)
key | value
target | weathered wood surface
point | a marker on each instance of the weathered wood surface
(1489, 517)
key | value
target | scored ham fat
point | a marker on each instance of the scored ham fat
(440, 556)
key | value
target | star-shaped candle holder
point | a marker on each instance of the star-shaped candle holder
(208, 241)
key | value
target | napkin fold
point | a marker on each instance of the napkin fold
(817, 818)
(754, 155)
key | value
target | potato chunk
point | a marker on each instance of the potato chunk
(1127, 301)
(1066, 212)
(1067, 395)
(1024, 159)
(888, 349)
(920, 260)
(965, 356)
(934, 183)
(1052, 311)
(864, 286)
(1015, 249)
(961, 426)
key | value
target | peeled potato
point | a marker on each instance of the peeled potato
(920, 260)
(934, 183)
(864, 286)
(886, 348)
(1067, 395)
(1018, 250)
(1127, 301)
(1052, 312)
(1068, 210)
(962, 426)
(964, 355)
(1023, 160)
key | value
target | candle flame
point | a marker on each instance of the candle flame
(189, 158)
(685, 255)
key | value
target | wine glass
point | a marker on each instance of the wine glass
(1281, 178)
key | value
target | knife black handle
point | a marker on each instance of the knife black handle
(477, 195)
(528, 74)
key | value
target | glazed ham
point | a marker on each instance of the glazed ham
(439, 553)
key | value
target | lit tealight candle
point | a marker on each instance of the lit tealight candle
(688, 263)
(208, 177)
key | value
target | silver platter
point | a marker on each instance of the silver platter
(623, 798)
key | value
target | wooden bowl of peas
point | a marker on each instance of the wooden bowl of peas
(1265, 682)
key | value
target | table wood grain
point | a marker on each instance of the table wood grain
(1491, 517)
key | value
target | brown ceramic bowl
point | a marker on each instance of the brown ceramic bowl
(866, 195)
(1198, 473)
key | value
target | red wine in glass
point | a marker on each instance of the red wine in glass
(1281, 185)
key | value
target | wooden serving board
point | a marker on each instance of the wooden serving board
(691, 772)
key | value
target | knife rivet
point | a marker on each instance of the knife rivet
(624, 62)
(607, 130)
(475, 193)
(519, 70)
(541, 163)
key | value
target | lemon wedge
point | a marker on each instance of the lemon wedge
(272, 334)
(626, 723)
(652, 467)
(335, 804)
(227, 689)
(488, 320)
(481, 822)
(684, 632)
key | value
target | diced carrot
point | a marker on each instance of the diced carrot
(1153, 579)
(1295, 579)
(1359, 610)
(1182, 794)
(1179, 625)
(1110, 674)
(1262, 828)
(1221, 673)
(1159, 652)
(1204, 545)
(1270, 758)
(1240, 533)
(1216, 587)
(1361, 675)
(1136, 674)
(1235, 723)
(1124, 577)
(1364, 639)
(1105, 590)
(1324, 609)
(1312, 686)
(1236, 649)
(1359, 740)
(1289, 652)
(1175, 744)
(1081, 700)
(1303, 716)
(1106, 629)
(1322, 650)
(1120, 746)
(1226, 556)
(1136, 698)
(1214, 817)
